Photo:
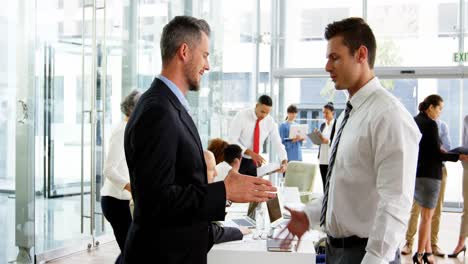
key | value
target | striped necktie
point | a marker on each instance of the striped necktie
(323, 214)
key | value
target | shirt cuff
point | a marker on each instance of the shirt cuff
(370, 258)
(312, 211)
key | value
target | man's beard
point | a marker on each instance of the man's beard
(193, 84)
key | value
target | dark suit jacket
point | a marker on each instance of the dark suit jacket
(430, 156)
(222, 234)
(174, 205)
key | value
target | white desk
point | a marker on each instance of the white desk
(250, 251)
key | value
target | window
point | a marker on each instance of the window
(407, 34)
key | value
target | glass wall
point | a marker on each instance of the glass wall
(8, 75)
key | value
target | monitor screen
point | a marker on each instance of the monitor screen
(274, 209)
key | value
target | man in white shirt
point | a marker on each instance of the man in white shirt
(370, 182)
(249, 129)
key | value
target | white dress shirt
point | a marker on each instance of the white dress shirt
(372, 182)
(242, 132)
(115, 166)
(325, 148)
(222, 169)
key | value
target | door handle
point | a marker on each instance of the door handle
(25, 111)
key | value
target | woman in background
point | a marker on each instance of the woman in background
(292, 145)
(464, 217)
(429, 171)
(326, 135)
(217, 146)
(116, 192)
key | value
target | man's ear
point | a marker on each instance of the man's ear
(183, 52)
(362, 54)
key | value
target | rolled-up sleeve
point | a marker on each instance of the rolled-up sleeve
(277, 143)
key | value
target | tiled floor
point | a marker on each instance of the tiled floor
(107, 253)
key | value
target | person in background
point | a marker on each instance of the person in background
(416, 209)
(217, 146)
(370, 179)
(225, 156)
(221, 234)
(429, 171)
(292, 145)
(464, 217)
(327, 129)
(115, 193)
(249, 129)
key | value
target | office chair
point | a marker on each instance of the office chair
(301, 175)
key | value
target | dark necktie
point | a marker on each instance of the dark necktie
(332, 163)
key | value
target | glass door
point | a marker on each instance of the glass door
(71, 112)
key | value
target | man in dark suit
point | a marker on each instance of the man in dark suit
(174, 204)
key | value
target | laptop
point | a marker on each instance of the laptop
(275, 211)
(298, 130)
(248, 220)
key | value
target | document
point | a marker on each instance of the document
(274, 244)
(298, 130)
(268, 169)
(315, 137)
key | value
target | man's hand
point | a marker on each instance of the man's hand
(284, 167)
(242, 188)
(244, 230)
(257, 158)
(463, 157)
(297, 226)
(127, 187)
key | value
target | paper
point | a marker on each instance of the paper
(274, 244)
(267, 168)
(315, 137)
(298, 130)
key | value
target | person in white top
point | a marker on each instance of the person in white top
(116, 193)
(371, 178)
(225, 156)
(326, 130)
(219, 234)
(249, 129)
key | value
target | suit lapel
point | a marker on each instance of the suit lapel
(184, 115)
(188, 121)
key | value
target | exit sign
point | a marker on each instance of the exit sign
(460, 56)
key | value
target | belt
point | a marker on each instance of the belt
(347, 242)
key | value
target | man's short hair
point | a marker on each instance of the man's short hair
(232, 152)
(355, 32)
(265, 100)
(181, 29)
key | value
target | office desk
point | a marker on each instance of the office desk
(250, 251)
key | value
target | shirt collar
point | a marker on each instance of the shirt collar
(176, 91)
(254, 116)
(362, 94)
